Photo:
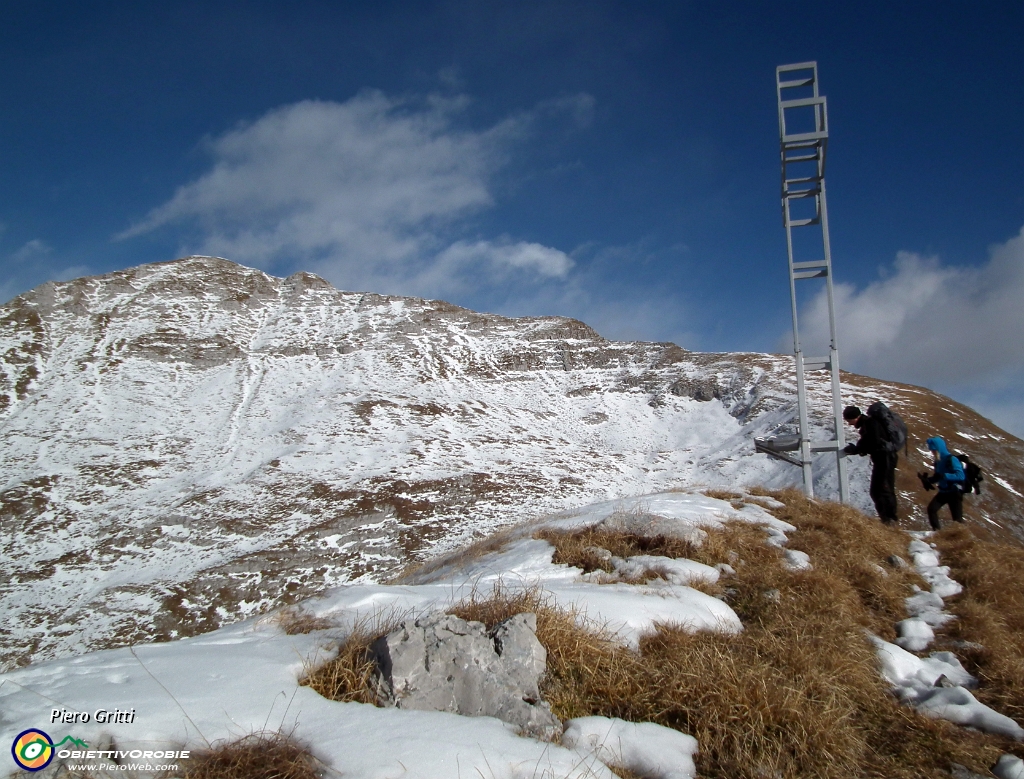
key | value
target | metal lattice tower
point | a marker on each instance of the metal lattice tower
(803, 137)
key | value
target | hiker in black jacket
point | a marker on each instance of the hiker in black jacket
(883, 462)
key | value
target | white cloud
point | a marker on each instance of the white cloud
(371, 193)
(542, 260)
(605, 288)
(956, 329)
(31, 251)
(466, 267)
(931, 323)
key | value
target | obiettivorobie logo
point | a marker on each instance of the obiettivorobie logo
(33, 749)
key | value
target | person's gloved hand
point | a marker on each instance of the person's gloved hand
(926, 481)
(850, 449)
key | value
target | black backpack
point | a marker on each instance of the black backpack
(973, 475)
(894, 430)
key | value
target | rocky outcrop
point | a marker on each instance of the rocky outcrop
(443, 663)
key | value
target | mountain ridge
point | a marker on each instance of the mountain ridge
(192, 442)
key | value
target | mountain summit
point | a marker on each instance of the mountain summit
(189, 443)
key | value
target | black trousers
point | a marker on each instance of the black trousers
(953, 499)
(883, 485)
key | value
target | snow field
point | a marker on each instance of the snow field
(244, 678)
(214, 398)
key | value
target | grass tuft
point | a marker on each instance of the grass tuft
(294, 621)
(577, 548)
(583, 549)
(257, 756)
(349, 676)
(990, 614)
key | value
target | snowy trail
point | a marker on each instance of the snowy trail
(938, 685)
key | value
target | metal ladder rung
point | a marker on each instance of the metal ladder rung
(802, 102)
(810, 264)
(817, 363)
(818, 135)
(802, 180)
(811, 274)
(800, 82)
(806, 158)
(793, 66)
(816, 148)
(802, 222)
(796, 194)
(812, 143)
(824, 446)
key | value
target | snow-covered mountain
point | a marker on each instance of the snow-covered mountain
(189, 443)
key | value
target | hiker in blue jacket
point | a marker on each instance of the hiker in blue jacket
(949, 478)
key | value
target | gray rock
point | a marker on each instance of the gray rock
(896, 561)
(1009, 767)
(443, 663)
(523, 656)
(600, 553)
(969, 645)
(962, 772)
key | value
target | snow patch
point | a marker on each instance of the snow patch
(645, 748)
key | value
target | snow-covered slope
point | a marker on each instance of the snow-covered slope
(244, 678)
(189, 443)
(182, 696)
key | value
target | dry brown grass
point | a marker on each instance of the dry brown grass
(349, 676)
(294, 621)
(845, 543)
(625, 773)
(797, 693)
(573, 548)
(579, 549)
(990, 613)
(723, 494)
(419, 571)
(258, 756)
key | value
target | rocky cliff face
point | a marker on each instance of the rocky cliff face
(188, 443)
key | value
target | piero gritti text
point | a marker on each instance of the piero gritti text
(101, 716)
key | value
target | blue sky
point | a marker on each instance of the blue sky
(616, 162)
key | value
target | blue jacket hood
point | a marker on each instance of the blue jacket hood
(948, 469)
